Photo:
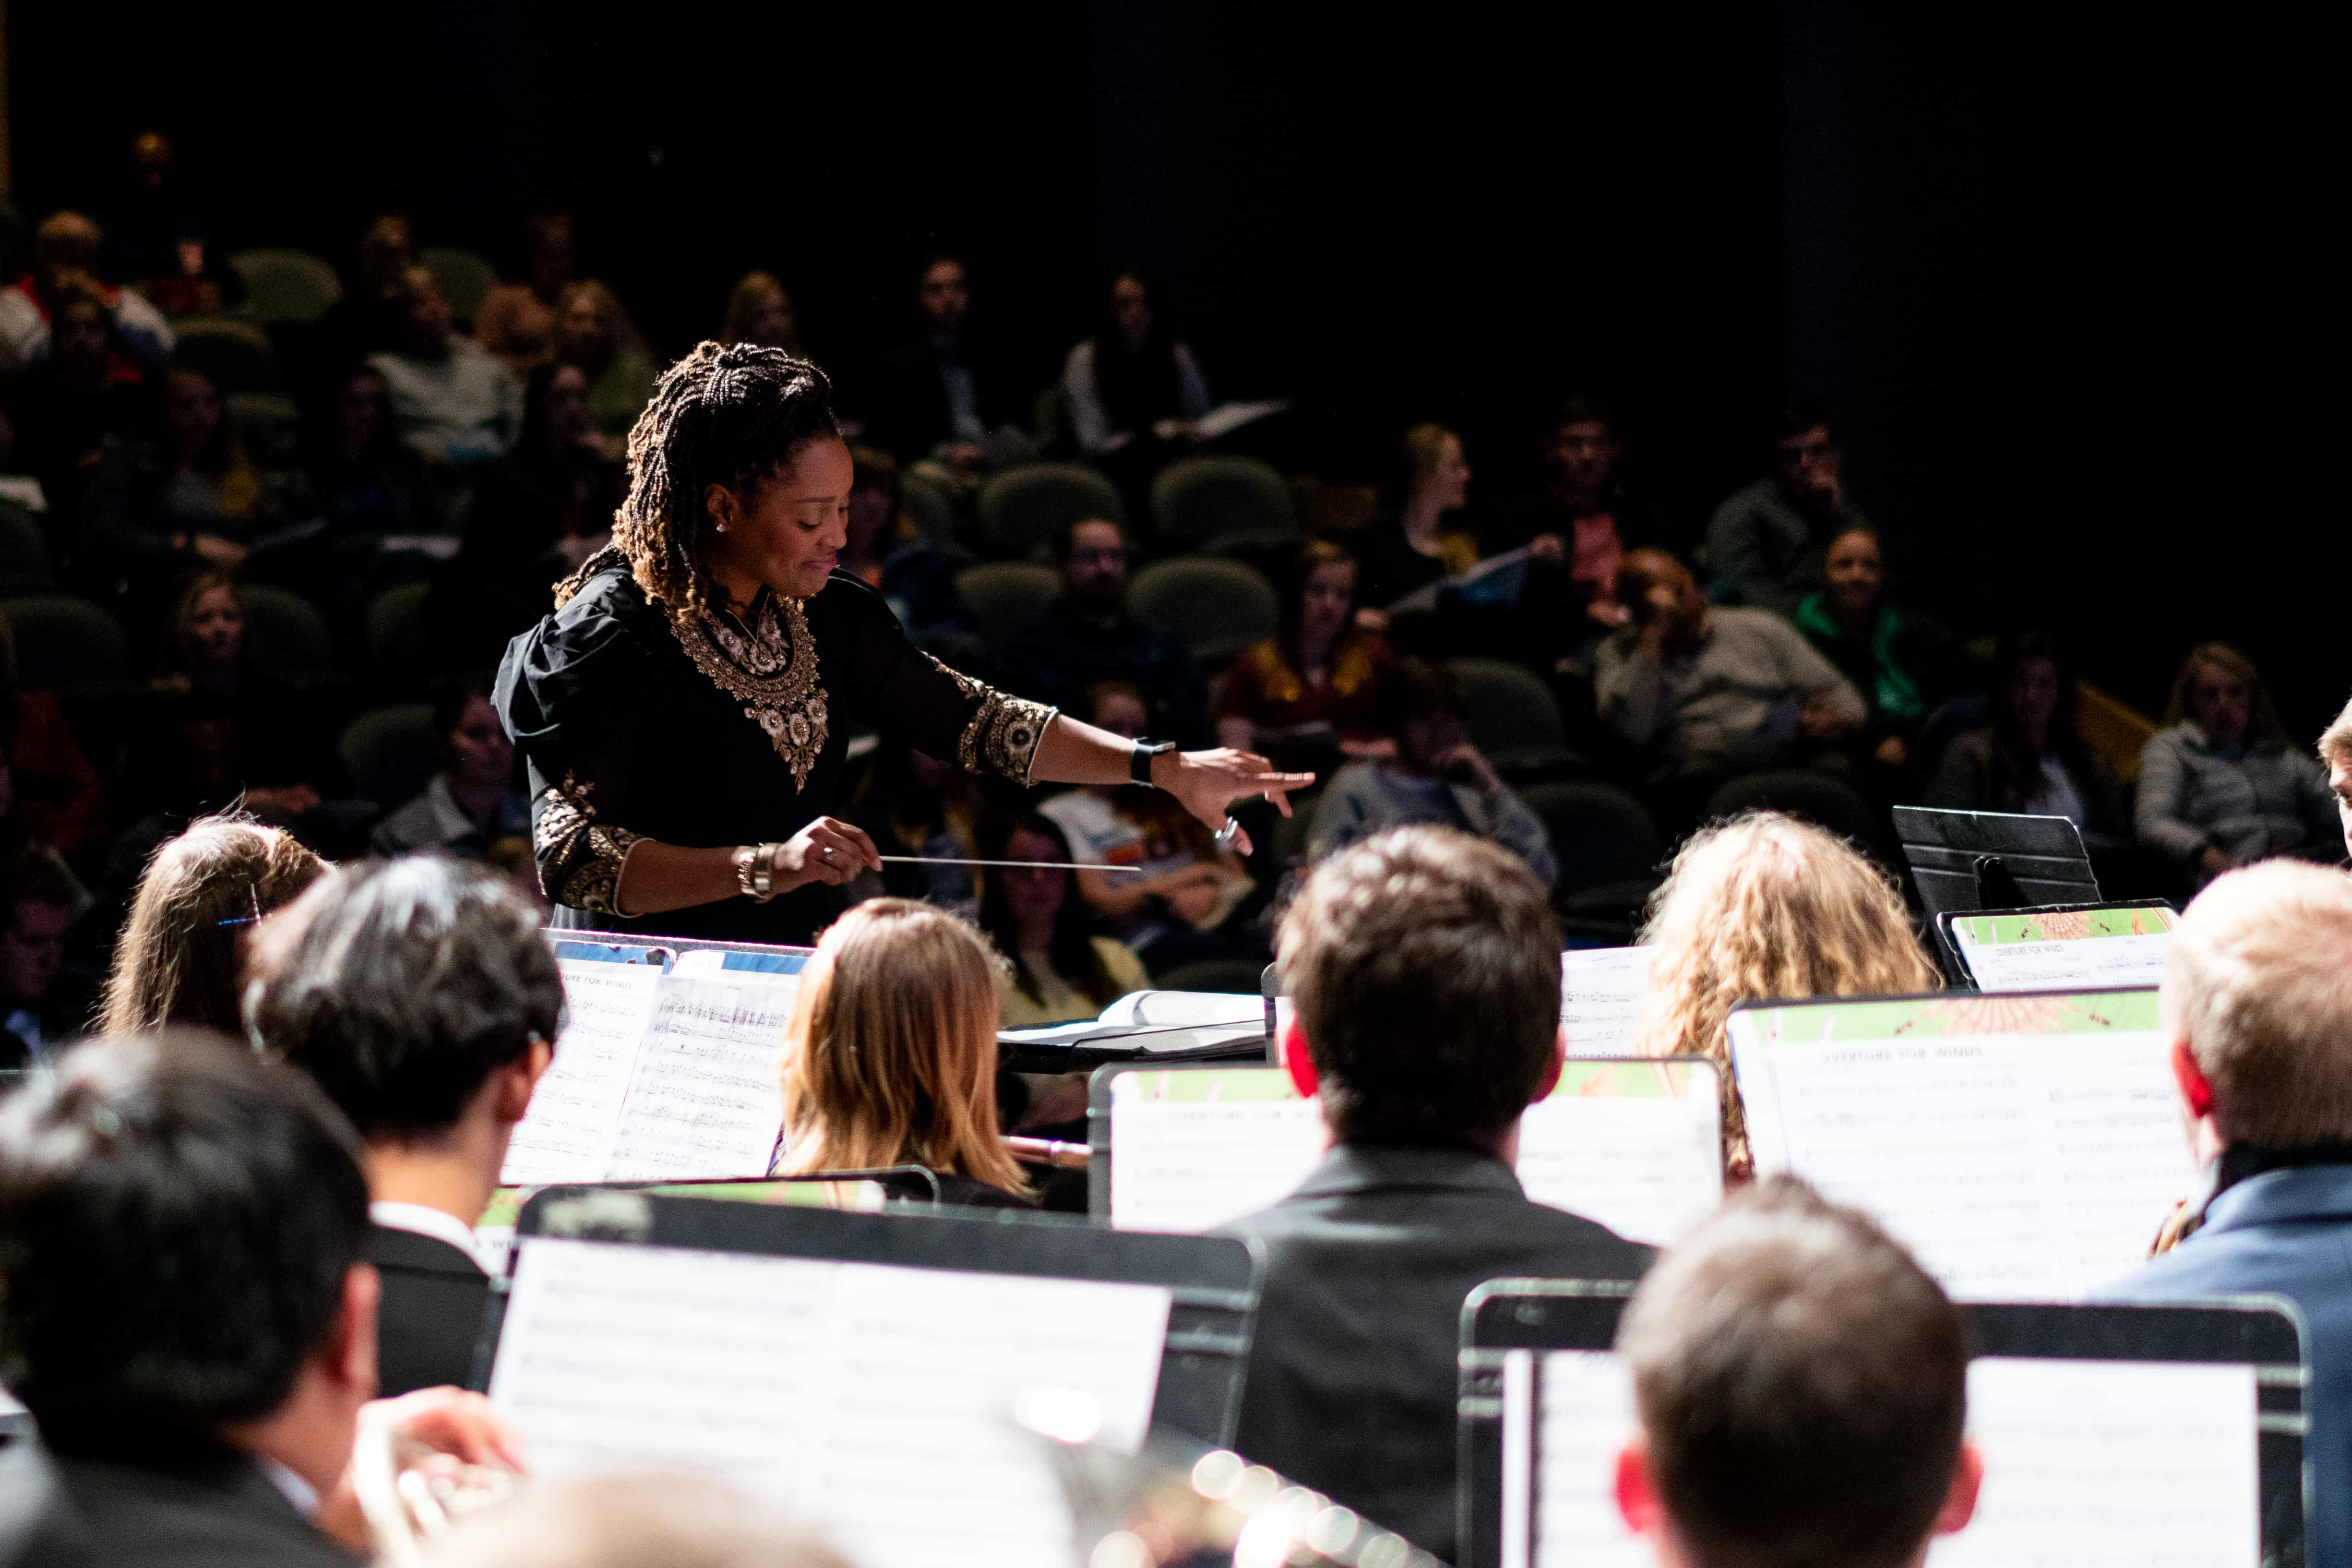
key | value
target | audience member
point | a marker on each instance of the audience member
(63, 411)
(2032, 758)
(1309, 695)
(1087, 636)
(65, 247)
(1133, 381)
(472, 801)
(190, 1319)
(891, 1058)
(594, 335)
(1702, 692)
(421, 997)
(157, 241)
(52, 790)
(759, 312)
(37, 899)
(1899, 661)
(2257, 1006)
(180, 956)
(1424, 966)
(359, 476)
(519, 322)
(2222, 785)
(909, 803)
(189, 498)
(1060, 970)
(1179, 903)
(2336, 756)
(1765, 908)
(889, 553)
(630, 1521)
(1802, 1387)
(1587, 506)
(1414, 542)
(1764, 544)
(1435, 777)
(939, 395)
(456, 405)
(369, 319)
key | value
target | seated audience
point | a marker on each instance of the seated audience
(1898, 660)
(65, 410)
(67, 244)
(1424, 966)
(1436, 776)
(592, 335)
(1803, 1386)
(157, 240)
(2257, 1004)
(631, 1522)
(518, 322)
(421, 997)
(472, 801)
(359, 477)
(1701, 693)
(1180, 904)
(759, 312)
(940, 396)
(1133, 381)
(1087, 636)
(181, 957)
(909, 803)
(2222, 785)
(37, 899)
(2032, 758)
(1309, 695)
(1764, 544)
(1587, 506)
(1033, 915)
(191, 1320)
(1415, 541)
(189, 498)
(1766, 908)
(891, 1058)
(52, 790)
(455, 403)
(369, 318)
(885, 550)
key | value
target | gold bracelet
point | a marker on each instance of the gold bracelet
(755, 871)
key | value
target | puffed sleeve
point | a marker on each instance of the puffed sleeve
(569, 691)
(912, 697)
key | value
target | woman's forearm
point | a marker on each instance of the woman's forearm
(1073, 752)
(657, 877)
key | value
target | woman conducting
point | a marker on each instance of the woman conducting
(686, 709)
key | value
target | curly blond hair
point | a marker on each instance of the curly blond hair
(1763, 908)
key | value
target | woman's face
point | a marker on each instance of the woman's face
(191, 413)
(481, 755)
(2033, 694)
(360, 411)
(584, 337)
(788, 532)
(1449, 481)
(1854, 573)
(772, 324)
(1323, 604)
(215, 627)
(1035, 894)
(566, 413)
(2221, 703)
(1130, 311)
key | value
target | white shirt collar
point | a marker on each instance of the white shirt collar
(293, 1487)
(419, 1220)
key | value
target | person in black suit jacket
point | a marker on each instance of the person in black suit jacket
(1424, 966)
(420, 995)
(189, 1318)
(939, 395)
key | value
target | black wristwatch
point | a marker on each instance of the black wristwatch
(1138, 763)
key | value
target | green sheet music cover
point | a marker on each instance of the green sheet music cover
(1932, 1017)
(2062, 925)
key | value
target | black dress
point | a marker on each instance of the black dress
(706, 731)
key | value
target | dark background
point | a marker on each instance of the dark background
(2066, 284)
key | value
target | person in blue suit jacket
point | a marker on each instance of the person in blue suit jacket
(2257, 999)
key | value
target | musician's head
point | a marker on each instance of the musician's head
(2257, 1003)
(1801, 1386)
(739, 478)
(891, 1058)
(181, 1226)
(1424, 966)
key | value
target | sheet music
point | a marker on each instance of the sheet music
(708, 1097)
(2091, 1464)
(567, 1135)
(869, 1399)
(2088, 963)
(1600, 991)
(1648, 1169)
(2017, 1167)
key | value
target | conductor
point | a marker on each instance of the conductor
(685, 711)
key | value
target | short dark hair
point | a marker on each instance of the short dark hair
(1425, 967)
(1581, 409)
(1799, 415)
(1803, 1384)
(451, 698)
(1414, 688)
(176, 1220)
(408, 984)
(36, 875)
(1066, 537)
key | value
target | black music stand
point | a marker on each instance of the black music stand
(2262, 1331)
(1965, 861)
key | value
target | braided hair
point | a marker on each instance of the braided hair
(728, 414)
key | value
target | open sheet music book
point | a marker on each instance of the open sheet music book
(1170, 1026)
(657, 1076)
(2081, 946)
(1601, 990)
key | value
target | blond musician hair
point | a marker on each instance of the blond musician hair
(1765, 908)
(891, 1058)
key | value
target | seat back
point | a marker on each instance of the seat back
(63, 642)
(1197, 502)
(233, 354)
(1005, 596)
(389, 752)
(398, 645)
(287, 288)
(25, 564)
(1217, 607)
(1020, 509)
(1825, 802)
(1600, 836)
(930, 507)
(464, 278)
(1510, 714)
(286, 636)
(1238, 976)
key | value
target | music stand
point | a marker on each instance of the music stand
(1504, 1316)
(1968, 860)
(619, 947)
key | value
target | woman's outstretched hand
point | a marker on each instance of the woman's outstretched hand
(1208, 782)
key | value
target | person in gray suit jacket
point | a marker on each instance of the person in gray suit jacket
(1424, 966)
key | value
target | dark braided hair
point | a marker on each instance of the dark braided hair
(728, 414)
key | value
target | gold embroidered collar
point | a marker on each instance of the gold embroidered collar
(767, 661)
